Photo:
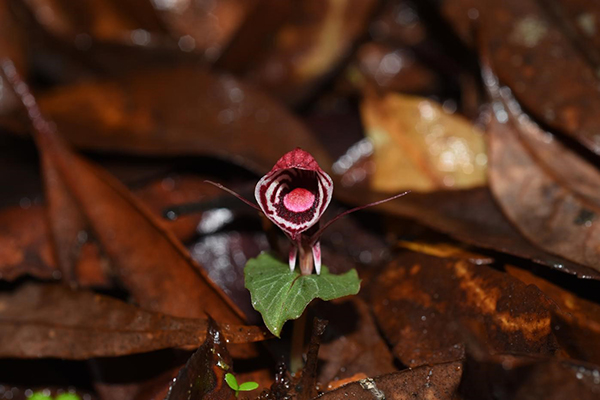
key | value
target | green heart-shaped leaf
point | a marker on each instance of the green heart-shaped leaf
(280, 295)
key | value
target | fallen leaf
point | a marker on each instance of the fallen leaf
(203, 377)
(518, 377)
(135, 241)
(575, 320)
(470, 216)
(53, 321)
(207, 28)
(420, 303)
(553, 78)
(436, 382)
(179, 111)
(417, 145)
(545, 189)
(82, 23)
(309, 45)
(352, 343)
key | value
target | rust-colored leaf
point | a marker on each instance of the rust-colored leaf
(81, 23)
(511, 377)
(419, 146)
(575, 320)
(203, 377)
(420, 302)
(53, 321)
(470, 216)
(204, 27)
(147, 258)
(543, 66)
(183, 110)
(314, 39)
(436, 382)
(24, 245)
(548, 192)
(352, 343)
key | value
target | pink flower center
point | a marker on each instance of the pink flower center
(298, 200)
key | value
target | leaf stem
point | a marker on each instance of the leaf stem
(297, 349)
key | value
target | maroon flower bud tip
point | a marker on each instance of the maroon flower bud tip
(295, 193)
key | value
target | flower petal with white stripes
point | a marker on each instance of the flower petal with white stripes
(294, 195)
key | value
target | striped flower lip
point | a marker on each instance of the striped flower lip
(294, 195)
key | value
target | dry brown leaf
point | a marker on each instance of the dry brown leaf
(419, 146)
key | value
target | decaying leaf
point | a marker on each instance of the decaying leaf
(575, 320)
(309, 45)
(470, 216)
(203, 377)
(436, 382)
(352, 343)
(179, 111)
(546, 70)
(53, 321)
(421, 304)
(135, 241)
(419, 146)
(546, 190)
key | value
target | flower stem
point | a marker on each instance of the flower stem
(297, 349)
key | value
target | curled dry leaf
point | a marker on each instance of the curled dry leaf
(436, 382)
(422, 303)
(547, 191)
(39, 321)
(203, 377)
(417, 145)
(177, 111)
(575, 320)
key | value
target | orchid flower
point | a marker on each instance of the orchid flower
(294, 195)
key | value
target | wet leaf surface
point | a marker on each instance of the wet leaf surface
(281, 295)
(470, 216)
(417, 145)
(575, 319)
(437, 382)
(117, 261)
(422, 304)
(309, 44)
(537, 170)
(352, 343)
(204, 374)
(179, 111)
(521, 377)
(53, 321)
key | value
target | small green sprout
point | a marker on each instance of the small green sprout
(64, 396)
(244, 387)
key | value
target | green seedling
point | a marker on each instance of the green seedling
(244, 387)
(64, 396)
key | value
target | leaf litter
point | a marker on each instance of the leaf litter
(182, 84)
